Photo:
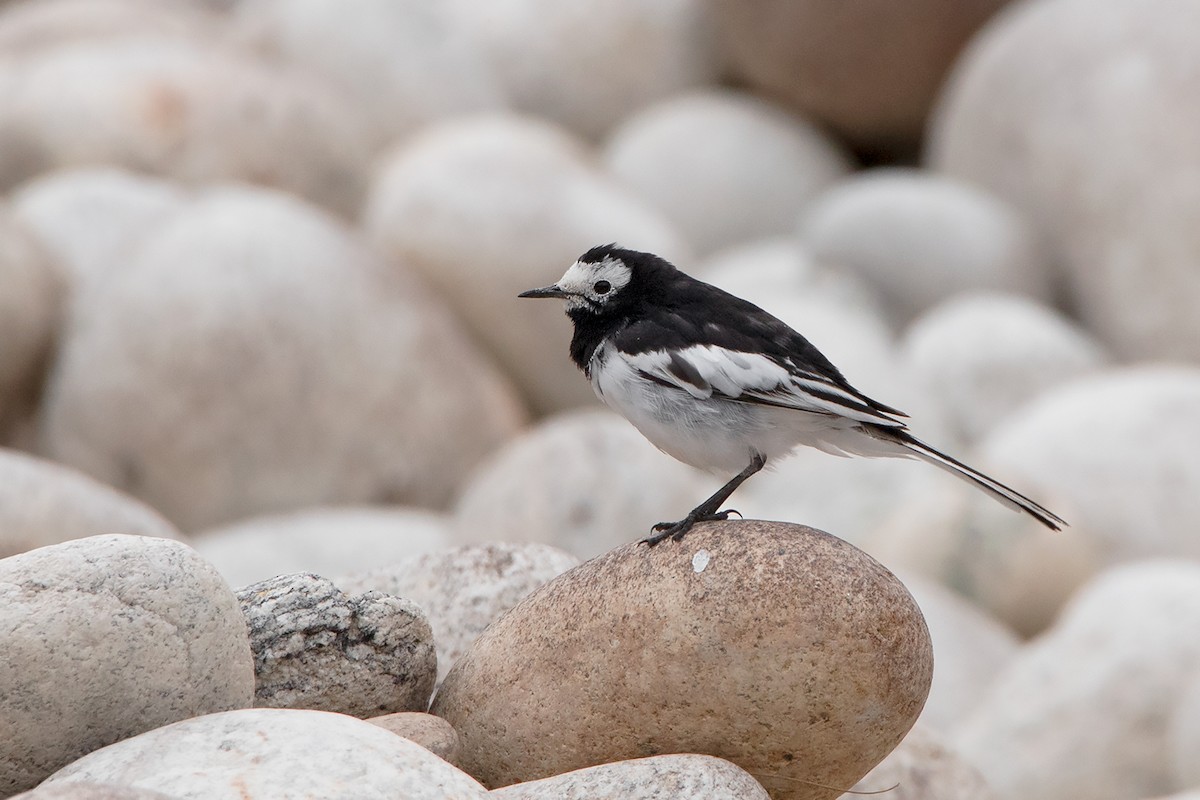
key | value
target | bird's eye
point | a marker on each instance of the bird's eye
(601, 287)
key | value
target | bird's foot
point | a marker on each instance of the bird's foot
(677, 530)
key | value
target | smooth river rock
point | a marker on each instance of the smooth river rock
(778, 647)
(685, 775)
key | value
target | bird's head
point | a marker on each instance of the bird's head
(601, 281)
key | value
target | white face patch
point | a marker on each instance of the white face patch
(594, 282)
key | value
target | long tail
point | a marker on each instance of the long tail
(1009, 497)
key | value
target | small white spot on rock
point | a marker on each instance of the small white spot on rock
(700, 560)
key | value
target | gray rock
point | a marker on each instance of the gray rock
(402, 64)
(275, 754)
(92, 219)
(90, 791)
(433, 733)
(983, 355)
(44, 503)
(1084, 710)
(177, 106)
(923, 768)
(27, 27)
(689, 776)
(580, 481)
(316, 647)
(106, 637)
(780, 648)
(316, 345)
(459, 203)
(725, 167)
(1103, 157)
(327, 541)
(920, 238)
(1183, 736)
(30, 306)
(465, 589)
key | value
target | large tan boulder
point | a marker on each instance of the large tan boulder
(778, 647)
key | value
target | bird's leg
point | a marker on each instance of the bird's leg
(706, 511)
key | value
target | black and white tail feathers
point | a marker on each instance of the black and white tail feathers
(1009, 497)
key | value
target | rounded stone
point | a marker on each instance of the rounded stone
(1115, 453)
(401, 64)
(1103, 157)
(432, 733)
(695, 777)
(27, 27)
(725, 167)
(970, 648)
(1084, 709)
(590, 63)
(91, 219)
(270, 753)
(870, 71)
(814, 659)
(317, 647)
(922, 767)
(44, 503)
(180, 108)
(30, 307)
(104, 638)
(315, 345)
(983, 355)
(919, 238)
(327, 541)
(485, 208)
(580, 481)
(90, 791)
(465, 589)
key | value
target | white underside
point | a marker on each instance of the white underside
(718, 434)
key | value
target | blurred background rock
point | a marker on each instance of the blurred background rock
(259, 259)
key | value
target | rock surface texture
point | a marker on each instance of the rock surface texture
(104, 638)
(315, 647)
(777, 647)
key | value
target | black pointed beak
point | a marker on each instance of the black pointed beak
(545, 291)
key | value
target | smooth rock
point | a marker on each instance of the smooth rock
(90, 791)
(464, 589)
(923, 768)
(327, 541)
(983, 355)
(1183, 736)
(401, 64)
(814, 659)
(725, 167)
(30, 305)
(43, 503)
(695, 777)
(1114, 452)
(92, 219)
(1084, 710)
(255, 357)
(1005, 562)
(104, 638)
(920, 238)
(589, 63)
(275, 754)
(485, 208)
(870, 71)
(433, 733)
(970, 648)
(317, 647)
(27, 27)
(1103, 157)
(190, 110)
(581, 481)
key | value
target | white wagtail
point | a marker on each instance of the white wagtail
(720, 384)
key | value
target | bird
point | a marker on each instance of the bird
(720, 384)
